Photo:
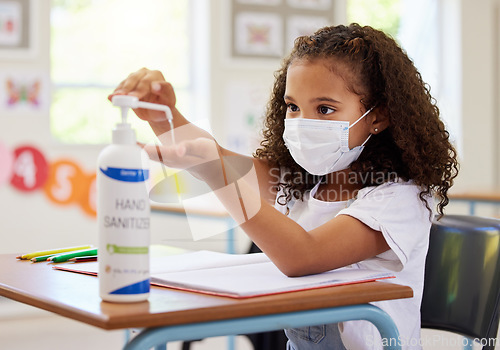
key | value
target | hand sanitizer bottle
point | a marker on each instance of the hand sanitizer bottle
(123, 215)
(123, 210)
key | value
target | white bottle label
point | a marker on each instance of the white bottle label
(124, 235)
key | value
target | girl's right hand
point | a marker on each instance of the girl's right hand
(149, 86)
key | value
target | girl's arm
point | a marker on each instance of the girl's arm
(341, 241)
(296, 252)
(247, 191)
(151, 86)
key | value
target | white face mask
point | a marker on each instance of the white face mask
(321, 146)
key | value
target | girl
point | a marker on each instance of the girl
(353, 153)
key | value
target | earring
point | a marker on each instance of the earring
(376, 130)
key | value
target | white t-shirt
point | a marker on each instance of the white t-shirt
(394, 209)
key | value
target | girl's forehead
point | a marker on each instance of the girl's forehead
(332, 63)
(338, 71)
(314, 72)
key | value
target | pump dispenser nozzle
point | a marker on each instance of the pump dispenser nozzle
(125, 102)
(124, 115)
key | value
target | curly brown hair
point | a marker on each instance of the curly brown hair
(415, 146)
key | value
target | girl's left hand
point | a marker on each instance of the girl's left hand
(201, 157)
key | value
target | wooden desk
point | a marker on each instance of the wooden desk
(189, 316)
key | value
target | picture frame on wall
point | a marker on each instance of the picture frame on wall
(18, 35)
(258, 34)
(267, 29)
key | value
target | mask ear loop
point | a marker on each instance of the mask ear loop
(364, 115)
(363, 144)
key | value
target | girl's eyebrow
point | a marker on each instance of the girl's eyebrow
(325, 99)
(317, 99)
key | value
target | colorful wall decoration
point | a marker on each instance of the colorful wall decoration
(62, 181)
(29, 169)
(24, 91)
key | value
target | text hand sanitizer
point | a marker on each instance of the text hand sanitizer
(123, 214)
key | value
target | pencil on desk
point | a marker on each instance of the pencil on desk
(66, 256)
(84, 258)
(30, 256)
(42, 258)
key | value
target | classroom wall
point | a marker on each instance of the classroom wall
(479, 77)
(496, 93)
(30, 221)
(480, 153)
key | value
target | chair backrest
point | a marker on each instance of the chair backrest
(462, 276)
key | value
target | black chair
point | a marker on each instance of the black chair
(462, 278)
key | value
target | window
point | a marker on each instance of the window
(426, 30)
(384, 15)
(95, 44)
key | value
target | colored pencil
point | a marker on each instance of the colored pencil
(42, 258)
(66, 256)
(84, 258)
(30, 256)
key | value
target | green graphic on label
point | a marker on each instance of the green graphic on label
(115, 249)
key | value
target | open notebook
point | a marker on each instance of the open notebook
(234, 275)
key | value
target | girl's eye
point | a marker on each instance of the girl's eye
(292, 108)
(325, 110)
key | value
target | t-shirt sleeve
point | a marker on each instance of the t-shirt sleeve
(397, 211)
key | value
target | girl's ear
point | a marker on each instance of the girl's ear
(378, 120)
